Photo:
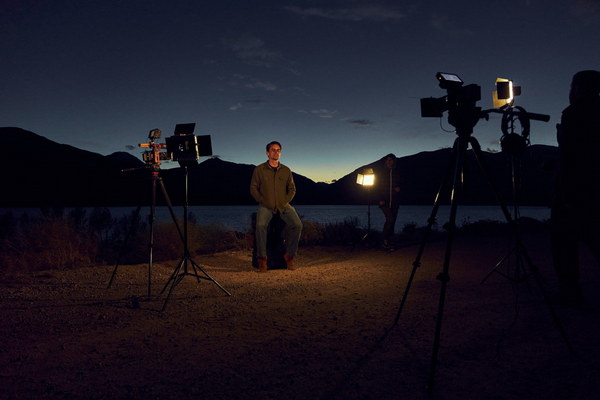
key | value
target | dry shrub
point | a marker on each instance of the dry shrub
(52, 243)
(312, 233)
(331, 234)
(342, 233)
(202, 239)
(211, 238)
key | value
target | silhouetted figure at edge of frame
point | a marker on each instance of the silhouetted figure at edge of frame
(388, 197)
(575, 214)
(273, 187)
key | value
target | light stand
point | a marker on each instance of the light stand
(184, 148)
(367, 179)
(182, 270)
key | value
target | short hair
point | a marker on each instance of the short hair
(272, 143)
(588, 81)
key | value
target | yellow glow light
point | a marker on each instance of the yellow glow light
(507, 98)
(367, 178)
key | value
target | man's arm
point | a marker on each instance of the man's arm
(291, 189)
(255, 187)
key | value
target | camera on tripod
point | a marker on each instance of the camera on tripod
(458, 97)
(183, 146)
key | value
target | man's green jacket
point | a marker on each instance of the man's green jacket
(272, 188)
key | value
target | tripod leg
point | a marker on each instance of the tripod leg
(497, 266)
(432, 219)
(174, 275)
(444, 276)
(520, 246)
(134, 218)
(170, 207)
(152, 219)
(210, 278)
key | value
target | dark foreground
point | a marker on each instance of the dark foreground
(324, 331)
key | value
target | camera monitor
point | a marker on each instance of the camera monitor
(448, 80)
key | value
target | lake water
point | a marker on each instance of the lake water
(239, 217)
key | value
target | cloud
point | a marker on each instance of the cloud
(252, 50)
(247, 82)
(268, 86)
(360, 122)
(361, 12)
(324, 113)
(254, 103)
(443, 23)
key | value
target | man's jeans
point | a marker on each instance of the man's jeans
(293, 227)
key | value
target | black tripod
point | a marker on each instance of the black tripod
(367, 237)
(519, 273)
(514, 145)
(156, 179)
(464, 130)
(182, 269)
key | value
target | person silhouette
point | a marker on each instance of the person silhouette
(575, 213)
(389, 190)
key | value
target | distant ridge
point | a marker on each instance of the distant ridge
(45, 173)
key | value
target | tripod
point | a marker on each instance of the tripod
(464, 139)
(156, 179)
(519, 274)
(367, 237)
(182, 269)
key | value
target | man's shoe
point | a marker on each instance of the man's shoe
(289, 261)
(262, 264)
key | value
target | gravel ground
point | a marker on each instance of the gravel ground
(324, 331)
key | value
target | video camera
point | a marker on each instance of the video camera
(153, 156)
(458, 97)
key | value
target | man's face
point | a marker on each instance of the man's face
(389, 162)
(274, 152)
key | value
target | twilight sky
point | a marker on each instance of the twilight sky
(338, 83)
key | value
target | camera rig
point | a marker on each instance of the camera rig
(183, 146)
(463, 113)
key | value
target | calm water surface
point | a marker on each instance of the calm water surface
(239, 217)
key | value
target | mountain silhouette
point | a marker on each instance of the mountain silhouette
(45, 173)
